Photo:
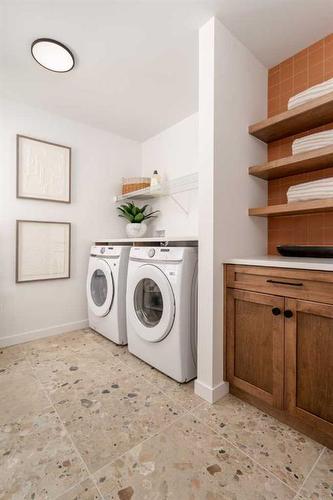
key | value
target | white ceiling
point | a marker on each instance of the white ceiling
(137, 61)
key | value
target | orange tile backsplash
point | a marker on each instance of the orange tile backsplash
(306, 68)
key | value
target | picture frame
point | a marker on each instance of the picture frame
(43, 250)
(43, 170)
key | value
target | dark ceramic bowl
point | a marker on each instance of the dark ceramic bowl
(319, 251)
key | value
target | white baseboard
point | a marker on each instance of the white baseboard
(43, 332)
(211, 394)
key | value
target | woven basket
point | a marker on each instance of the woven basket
(131, 184)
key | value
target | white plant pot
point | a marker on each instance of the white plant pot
(134, 230)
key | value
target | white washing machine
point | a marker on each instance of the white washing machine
(162, 308)
(106, 291)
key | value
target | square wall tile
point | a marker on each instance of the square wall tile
(308, 67)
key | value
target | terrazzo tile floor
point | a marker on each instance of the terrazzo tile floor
(81, 418)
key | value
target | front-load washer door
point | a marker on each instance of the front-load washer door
(152, 310)
(100, 288)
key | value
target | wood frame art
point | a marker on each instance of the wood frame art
(57, 253)
(42, 175)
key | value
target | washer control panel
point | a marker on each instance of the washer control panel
(105, 251)
(151, 252)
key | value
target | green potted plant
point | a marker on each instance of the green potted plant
(136, 217)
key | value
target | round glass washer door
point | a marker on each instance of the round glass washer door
(153, 304)
(100, 288)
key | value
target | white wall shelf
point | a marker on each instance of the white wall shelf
(166, 188)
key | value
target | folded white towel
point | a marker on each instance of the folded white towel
(317, 135)
(314, 190)
(313, 141)
(311, 93)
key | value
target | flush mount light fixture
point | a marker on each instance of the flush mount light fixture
(52, 55)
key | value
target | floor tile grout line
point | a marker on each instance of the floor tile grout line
(160, 431)
(234, 445)
(157, 433)
(67, 434)
(91, 475)
(74, 486)
(310, 472)
(121, 363)
(187, 412)
(72, 443)
(263, 466)
(154, 384)
(75, 354)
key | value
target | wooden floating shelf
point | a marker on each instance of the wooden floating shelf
(305, 117)
(317, 159)
(295, 208)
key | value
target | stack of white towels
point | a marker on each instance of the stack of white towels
(315, 190)
(313, 141)
(311, 93)
(323, 188)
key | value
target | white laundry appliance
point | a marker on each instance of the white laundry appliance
(106, 291)
(162, 308)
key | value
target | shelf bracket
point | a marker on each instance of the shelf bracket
(179, 204)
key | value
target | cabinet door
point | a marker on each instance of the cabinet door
(309, 362)
(255, 344)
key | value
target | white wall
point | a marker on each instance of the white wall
(173, 153)
(232, 95)
(99, 160)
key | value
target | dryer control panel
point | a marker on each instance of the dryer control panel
(169, 254)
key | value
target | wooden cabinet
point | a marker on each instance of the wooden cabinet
(279, 352)
(256, 344)
(309, 362)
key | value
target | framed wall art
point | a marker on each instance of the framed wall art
(42, 250)
(43, 170)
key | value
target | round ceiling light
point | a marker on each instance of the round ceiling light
(52, 55)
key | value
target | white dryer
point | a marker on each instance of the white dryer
(162, 308)
(106, 291)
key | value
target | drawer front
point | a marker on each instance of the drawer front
(300, 284)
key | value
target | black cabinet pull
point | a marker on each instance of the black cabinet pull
(288, 313)
(276, 311)
(284, 283)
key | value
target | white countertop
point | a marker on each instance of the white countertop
(290, 262)
(152, 238)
